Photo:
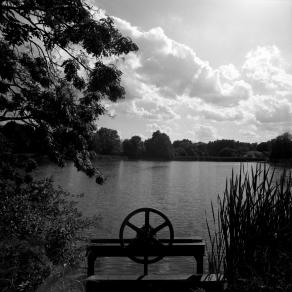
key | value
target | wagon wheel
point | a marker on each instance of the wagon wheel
(146, 236)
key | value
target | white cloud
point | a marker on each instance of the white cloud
(175, 69)
(218, 114)
(229, 72)
(153, 110)
(264, 68)
(203, 133)
(269, 109)
(169, 86)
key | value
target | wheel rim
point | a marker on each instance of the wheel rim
(146, 236)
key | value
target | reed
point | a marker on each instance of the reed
(251, 231)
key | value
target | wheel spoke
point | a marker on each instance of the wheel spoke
(147, 219)
(134, 227)
(159, 227)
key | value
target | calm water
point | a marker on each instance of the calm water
(181, 190)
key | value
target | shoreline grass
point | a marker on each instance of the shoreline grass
(251, 232)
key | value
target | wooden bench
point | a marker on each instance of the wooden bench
(147, 248)
(98, 248)
(194, 247)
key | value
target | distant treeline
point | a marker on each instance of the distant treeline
(107, 142)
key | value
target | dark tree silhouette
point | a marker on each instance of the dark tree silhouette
(133, 147)
(227, 152)
(265, 147)
(52, 73)
(106, 141)
(282, 147)
(159, 146)
(185, 147)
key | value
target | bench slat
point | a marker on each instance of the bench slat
(193, 249)
(176, 240)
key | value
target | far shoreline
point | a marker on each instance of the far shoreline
(181, 158)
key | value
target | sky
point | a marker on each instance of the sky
(205, 69)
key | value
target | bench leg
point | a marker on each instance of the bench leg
(200, 264)
(91, 257)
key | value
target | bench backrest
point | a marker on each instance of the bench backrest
(194, 247)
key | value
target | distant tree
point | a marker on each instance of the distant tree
(282, 147)
(159, 146)
(227, 152)
(202, 149)
(180, 151)
(188, 146)
(264, 146)
(106, 141)
(215, 147)
(185, 143)
(133, 147)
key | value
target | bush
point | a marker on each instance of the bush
(252, 240)
(39, 229)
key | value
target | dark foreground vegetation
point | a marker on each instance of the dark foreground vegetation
(40, 230)
(53, 77)
(252, 241)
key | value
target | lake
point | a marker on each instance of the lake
(182, 190)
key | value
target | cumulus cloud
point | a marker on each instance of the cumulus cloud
(219, 115)
(168, 85)
(203, 133)
(153, 110)
(229, 72)
(175, 69)
(264, 68)
(269, 109)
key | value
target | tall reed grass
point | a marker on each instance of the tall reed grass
(251, 231)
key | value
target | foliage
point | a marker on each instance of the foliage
(185, 147)
(214, 148)
(227, 152)
(55, 71)
(22, 138)
(106, 141)
(265, 147)
(282, 147)
(159, 146)
(226, 148)
(253, 232)
(39, 228)
(133, 147)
